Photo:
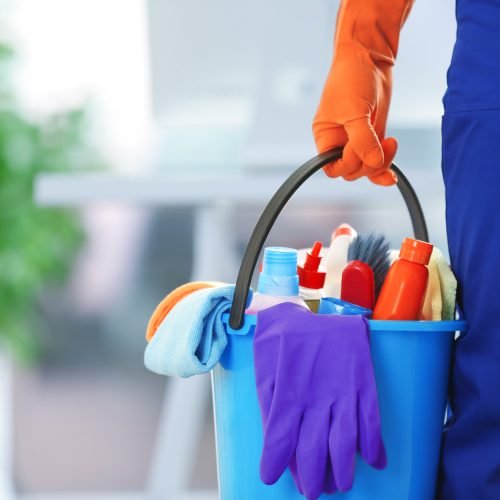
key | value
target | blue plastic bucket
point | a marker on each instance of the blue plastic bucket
(411, 361)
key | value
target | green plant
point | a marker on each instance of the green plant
(37, 245)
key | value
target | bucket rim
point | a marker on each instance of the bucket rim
(250, 320)
(458, 325)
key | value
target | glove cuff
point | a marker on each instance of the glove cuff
(373, 26)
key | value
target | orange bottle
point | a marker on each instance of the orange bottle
(403, 292)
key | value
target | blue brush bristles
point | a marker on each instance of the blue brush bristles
(373, 249)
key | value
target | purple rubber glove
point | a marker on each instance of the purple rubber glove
(318, 398)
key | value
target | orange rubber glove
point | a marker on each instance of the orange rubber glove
(355, 102)
(167, 304)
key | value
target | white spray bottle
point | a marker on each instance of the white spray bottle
(336, 259)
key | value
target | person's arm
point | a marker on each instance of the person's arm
(355, 102)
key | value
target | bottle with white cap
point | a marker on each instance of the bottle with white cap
(278, 280)
(336, 259)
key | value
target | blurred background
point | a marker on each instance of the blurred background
(139, 142)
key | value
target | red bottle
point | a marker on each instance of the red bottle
(358, 284)
(403, 292)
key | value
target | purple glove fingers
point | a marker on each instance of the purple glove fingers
(330, 486)
(304, 362)
(370, 444)
(280, 443)
(343, 442)
(312, 451)
(295, 473)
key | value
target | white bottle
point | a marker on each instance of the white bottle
(278, 281)
(336, 259)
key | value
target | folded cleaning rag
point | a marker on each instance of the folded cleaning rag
(318, 398)
(440, 298)
(191, 338)
(432, 309)
(166, 305)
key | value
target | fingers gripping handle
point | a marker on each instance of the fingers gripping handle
(274, 208)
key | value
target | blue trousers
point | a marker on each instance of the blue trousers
(470, 465)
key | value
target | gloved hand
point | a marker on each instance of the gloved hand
(316, 391)
(355, 102)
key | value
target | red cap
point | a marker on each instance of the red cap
(416, 251)
(309, 274)
(344, 230)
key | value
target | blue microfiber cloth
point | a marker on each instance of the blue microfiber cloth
(191, 338)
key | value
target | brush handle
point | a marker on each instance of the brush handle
(274, 208)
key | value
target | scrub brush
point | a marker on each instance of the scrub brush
(373, 250)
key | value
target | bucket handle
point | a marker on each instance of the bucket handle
(274, 208)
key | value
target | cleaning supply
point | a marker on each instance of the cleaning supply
(302, 253)
(312, 278)
(403, 291)
(166, 305)
(448, 283)
(355, 102)
(358, 284)
(440, 298)
(336, 259)
(432, 310)
(330, 305)
(278, 280)
(191, 338)
(317, 396)
(372, 249)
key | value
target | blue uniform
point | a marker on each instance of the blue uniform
(470, 465)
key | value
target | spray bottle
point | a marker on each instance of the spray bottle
(312, 278)
(336, 259)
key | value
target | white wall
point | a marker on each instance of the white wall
(249, 74)
(420, 74)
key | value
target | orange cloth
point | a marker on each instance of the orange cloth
(166, 305)
(355, 102)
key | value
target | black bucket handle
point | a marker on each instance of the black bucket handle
(274, 208)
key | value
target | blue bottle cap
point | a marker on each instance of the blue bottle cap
(279, 272)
